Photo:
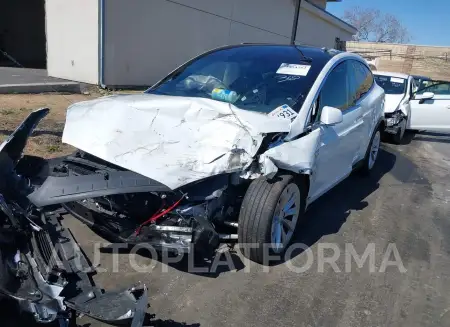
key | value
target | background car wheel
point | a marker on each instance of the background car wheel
(371, 153)
(397, 138)
(269, 216)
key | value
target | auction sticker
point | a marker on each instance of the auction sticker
(293, 69)
(397, 80)
(284, 112)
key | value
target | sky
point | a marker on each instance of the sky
(428, 22)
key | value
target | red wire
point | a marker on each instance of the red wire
(157, 215)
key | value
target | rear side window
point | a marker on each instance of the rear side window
(361, 81)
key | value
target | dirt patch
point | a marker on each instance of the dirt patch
(46, 139)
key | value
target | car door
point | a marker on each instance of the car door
(340, 142)
(431, 114)
(363, 82)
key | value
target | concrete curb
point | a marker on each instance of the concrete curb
(66, 87)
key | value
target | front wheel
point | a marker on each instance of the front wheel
(269, 216)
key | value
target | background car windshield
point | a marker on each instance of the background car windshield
(251, 73)
(391, 85)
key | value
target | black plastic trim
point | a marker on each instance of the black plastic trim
(57, 190)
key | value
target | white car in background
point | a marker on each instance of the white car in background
(430, 107)
(413, 107)
(399, 89)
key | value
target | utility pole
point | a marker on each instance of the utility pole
(295, 23)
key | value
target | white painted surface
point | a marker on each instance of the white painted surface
(431, 115)
(72, 39)
(174, 140)
(392, 102)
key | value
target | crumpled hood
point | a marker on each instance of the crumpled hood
(392, 102)
(174, 140)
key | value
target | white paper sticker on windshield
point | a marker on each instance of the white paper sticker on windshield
(397, 80)
(292, 69)
(284, 112)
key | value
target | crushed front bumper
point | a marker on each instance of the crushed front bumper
(61, 271)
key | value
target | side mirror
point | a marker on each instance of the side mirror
(331, 116)
(424, 96)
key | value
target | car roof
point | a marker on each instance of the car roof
(319, 55)
(391, 74)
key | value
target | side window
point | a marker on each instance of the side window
(335, 91)
(438, 88)
(362, 81)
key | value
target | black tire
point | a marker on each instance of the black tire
(365, 167)
(257, 213)
(397, 138)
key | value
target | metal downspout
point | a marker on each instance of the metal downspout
(295, 22)
(101, 41)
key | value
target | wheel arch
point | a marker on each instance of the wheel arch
(302, 179)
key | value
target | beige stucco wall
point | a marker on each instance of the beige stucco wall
(144, 40)
(317, 28)
(433, 62)
(72, 39)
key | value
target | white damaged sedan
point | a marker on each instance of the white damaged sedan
(242, 137)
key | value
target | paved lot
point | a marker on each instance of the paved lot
(27, 80)
(405, 202)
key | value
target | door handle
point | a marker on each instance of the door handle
(448, 107)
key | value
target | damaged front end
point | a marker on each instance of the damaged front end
(170, 172)
(395, 122)
(129, 208)
(42, 267)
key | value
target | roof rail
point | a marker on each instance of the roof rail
(263, 43)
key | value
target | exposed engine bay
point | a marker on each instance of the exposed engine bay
(129, 208)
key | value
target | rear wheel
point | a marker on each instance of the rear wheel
(372, 153)
(269, 216)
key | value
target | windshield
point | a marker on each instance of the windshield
(391, 85)
(256, 78)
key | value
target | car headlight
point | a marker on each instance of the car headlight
(394, 119)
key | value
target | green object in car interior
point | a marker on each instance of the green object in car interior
(224, 95)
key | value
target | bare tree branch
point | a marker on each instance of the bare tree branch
(373, 26)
